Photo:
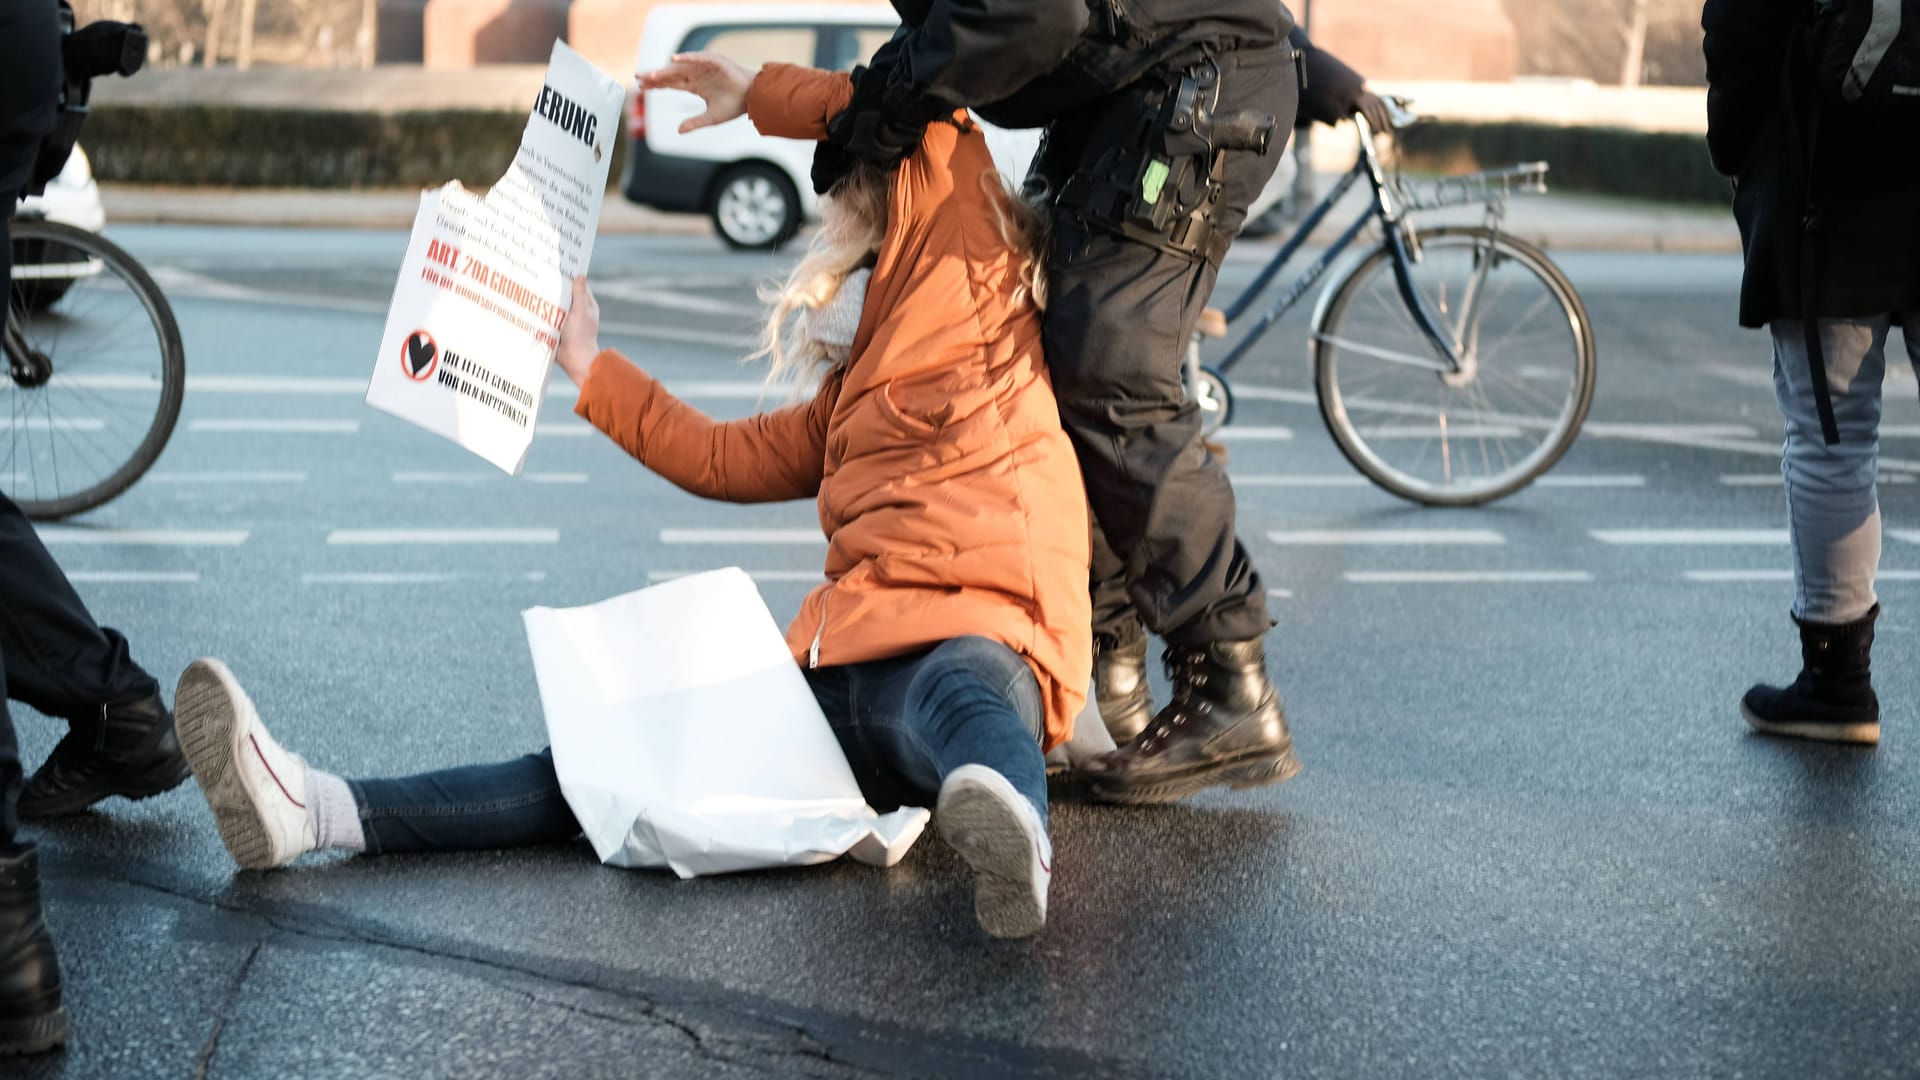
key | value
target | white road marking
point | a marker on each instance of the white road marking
(1692, 537)
(443, 536)
(563, 430)
(802, 576)
(1592, 480)
(226, 477)
(277, 427)
(1275, 393)
(742, 536)
(396, 578)
(1250, 433)
(1911, 536)
(1466, 577)
(277, 385)
(469, 478)
(1900, 431)
(1734, 576)
(1280, 594)
(1401, 537)
(1669, 431)
(1751, 479)
(134, 577)
(1399, 432)
(70, 534)
(1300, 481)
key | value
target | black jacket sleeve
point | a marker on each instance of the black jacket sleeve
(1333, 89)
(973, 52)
(1746, 45)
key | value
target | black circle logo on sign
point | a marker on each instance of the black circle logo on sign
(419, 356)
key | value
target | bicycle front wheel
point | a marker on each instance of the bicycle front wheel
(1466, 437)
(95, 371)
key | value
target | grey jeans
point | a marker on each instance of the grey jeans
(1833, 504)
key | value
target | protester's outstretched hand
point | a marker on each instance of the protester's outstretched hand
(580, 336)
(719, 81)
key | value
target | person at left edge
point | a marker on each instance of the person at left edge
(53, 656)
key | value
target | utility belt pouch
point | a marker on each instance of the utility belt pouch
(1165, 188)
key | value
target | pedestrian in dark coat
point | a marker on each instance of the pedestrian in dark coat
(1828, 202)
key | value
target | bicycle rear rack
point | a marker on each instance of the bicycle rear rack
(1493, 185)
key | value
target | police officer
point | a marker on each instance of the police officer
(1164, 119)
(52, 654)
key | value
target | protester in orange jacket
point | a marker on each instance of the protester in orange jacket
(955, 610)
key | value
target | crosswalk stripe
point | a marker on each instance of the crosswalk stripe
(1466, 577)
(68, 534)
(443, 536)
(276, 427)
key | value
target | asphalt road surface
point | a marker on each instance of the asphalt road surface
(1533, 836)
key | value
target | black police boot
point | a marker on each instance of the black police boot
(1120, 687)
(1223, 726)
(129, 750)
(1833, 699)
(31, 1019)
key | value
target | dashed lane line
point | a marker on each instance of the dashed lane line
(742, 536)
(1384, 537)
(473, 478)
(1252, 433)
(1690, 537)
(442, 536)
(220, 477)
(276, 427)
(1467, 577)
(806, 577)
(73, 534)
(407, 578)
(1719, 577)
(133, 577)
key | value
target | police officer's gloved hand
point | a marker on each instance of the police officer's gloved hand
(879, 127)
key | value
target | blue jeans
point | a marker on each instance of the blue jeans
(1833, 501)
(904, 724)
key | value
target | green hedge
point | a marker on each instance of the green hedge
(1663, 165)
(224, 146)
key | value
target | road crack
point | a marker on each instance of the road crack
(221, 1015)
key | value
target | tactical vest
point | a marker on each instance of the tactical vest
(1127, 40)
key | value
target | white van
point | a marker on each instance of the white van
(756, 189)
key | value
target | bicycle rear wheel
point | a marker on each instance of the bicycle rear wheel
(96, 375)
(1455, 438)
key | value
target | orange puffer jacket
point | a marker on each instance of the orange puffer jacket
(950, 496)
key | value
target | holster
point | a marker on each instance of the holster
(1164, 187)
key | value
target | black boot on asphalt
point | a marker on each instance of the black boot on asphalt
(1223, 726)
(31, 1019)
(1120, 687)
(128, 750)
(1833, 699)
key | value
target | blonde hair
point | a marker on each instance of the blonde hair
(853, 224)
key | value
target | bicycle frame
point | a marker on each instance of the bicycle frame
(1453, 354)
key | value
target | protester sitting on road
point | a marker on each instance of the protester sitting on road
(1828, 200)
(53, 656)
(950, 641)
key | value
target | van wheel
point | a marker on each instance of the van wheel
(755, 207)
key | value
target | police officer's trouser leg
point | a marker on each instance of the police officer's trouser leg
(1116, 327)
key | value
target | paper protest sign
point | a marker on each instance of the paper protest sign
(487, 281)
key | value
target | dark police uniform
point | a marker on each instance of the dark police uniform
(1164, 120)
(53, 656)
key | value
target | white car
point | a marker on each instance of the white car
(71, 198)
(756, 189)
(46, 271)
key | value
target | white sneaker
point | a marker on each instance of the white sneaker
(999, 833)
(258, 791)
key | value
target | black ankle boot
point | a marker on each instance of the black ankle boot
(1120, 687)
(128, 750)
(1223, 726)
(31, 1019)
(1833, 699)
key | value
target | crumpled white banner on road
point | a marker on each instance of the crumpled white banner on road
(686, 737)
(486, 282)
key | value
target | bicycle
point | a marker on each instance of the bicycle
(94, 362)
(1459, 293)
